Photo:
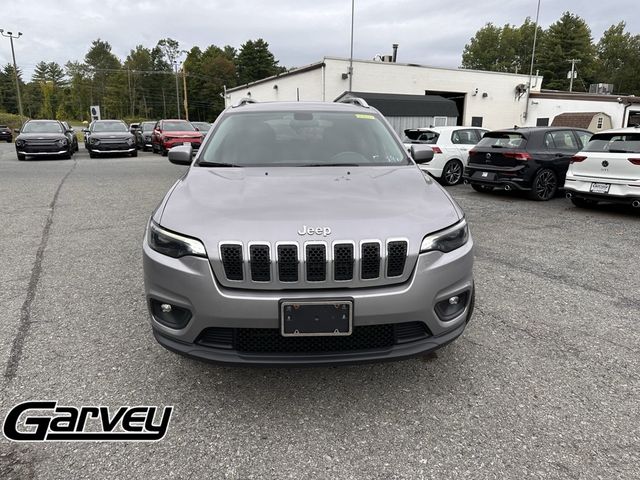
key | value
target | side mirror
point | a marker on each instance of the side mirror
(421, 153)
(181, 155)
(16, 130)
(85, 130)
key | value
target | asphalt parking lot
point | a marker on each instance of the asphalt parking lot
(545, 382)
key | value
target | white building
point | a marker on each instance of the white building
(489, 99)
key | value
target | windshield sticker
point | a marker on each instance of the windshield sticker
(363, 115)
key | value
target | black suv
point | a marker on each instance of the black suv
(532, 159)
(43, 137)
(5, 134)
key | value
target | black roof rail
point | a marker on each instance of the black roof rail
(243, 101)
(354, 101)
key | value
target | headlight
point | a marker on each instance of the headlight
(173, 244)
(130, 141)
(94, 141)
(20, 143)
(448, 239)
(62, 141)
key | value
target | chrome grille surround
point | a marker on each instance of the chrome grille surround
(289, 268)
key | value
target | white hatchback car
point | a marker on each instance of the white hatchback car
(607, 169)
(450, 146)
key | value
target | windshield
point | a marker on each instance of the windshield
(109, 127)
(614, 142)
(147, 126)
(303, 139)
(503, 140)
(177, 127)
(42, 127)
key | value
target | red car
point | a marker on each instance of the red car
(169, 133)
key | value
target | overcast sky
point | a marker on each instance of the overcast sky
(299, 32)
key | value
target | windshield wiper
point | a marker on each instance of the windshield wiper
(331, 165)
(217, 164)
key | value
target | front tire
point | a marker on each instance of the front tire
(545, 185)
(134, 153)
(91, 154)
(22, 157)
(481, 188)
(452, 173)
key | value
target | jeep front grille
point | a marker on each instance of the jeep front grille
(313, 264)
(316, 263)
(231, 255)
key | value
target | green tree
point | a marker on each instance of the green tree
(255, 62)
(618, 59)
(101, 64)
(501, 49)
(8, 95)
(568, 38)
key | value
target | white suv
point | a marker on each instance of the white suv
(607, 169)
(450, 146)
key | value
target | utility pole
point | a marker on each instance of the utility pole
(573, 71)
(351, 54)
(11, 36)
(533, 56)
(175, 64)
(186, 102)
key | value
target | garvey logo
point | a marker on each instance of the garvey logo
(86, 423)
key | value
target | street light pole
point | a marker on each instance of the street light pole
(351, 54)
(11, 36)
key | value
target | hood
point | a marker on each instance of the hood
(178, 133)
(273, 204)
(114, 135)
(41, 136)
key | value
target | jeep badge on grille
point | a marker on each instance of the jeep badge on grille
(324, 231)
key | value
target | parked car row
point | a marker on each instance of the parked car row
(537, 160)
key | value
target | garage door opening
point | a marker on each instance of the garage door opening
(458, 97)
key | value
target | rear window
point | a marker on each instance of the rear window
(421, 136)
(614, 143)
(503, 140)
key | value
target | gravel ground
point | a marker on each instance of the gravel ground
(543, 384)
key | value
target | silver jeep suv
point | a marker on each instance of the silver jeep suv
(304, 234)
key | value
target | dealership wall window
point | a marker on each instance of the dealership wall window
(600, 121)
(439, 121)
(476, 121)
(542, 122)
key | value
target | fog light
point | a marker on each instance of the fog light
(169, 315)
(452, 307)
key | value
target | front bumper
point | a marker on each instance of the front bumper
(189, 283)
(167, 144)
(57, 152)
(620, 191)
(117, 149)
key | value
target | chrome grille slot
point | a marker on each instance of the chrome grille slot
(396, 258)
(316, 263)
(260, 263)
(288, 263)
(343, 261)
(370, 262)
(231, 256)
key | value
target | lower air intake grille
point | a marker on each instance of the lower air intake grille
(343, 261)
(232, 261)
(260, 263)
(288, 263)
(396, 257)
(370, 266)
(316, 263)
(270, 341)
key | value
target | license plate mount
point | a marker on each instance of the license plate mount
(599, 187)
(313, 318)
